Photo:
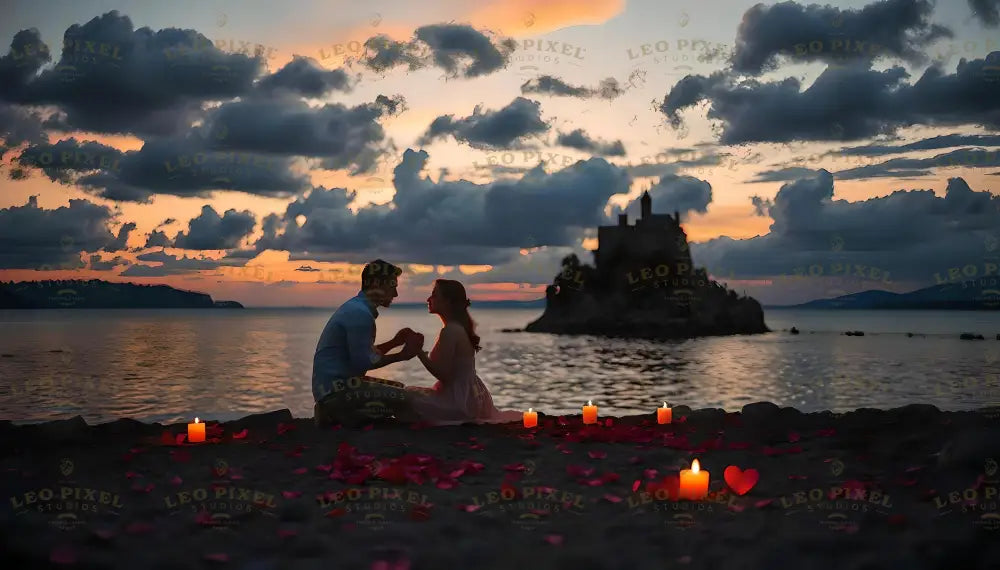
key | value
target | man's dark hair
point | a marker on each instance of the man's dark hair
(379, 274)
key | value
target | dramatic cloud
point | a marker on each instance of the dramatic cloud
(157, 238)
(888, 28)
(305, 77)
(18, 125)
(911, 234)
(491, 129)
(932, 143)
(97, 265)
(210, 231)
(32, 237)
(844, 103)
(111, 78)
(460, 50)
(448, 222)
(169, 265)
(913, 167)
(549, 85)
(580, 140)
(988, 11)
(120, 243)
(682, 194)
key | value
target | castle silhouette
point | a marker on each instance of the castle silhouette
(644, 283)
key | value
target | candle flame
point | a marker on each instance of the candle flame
(196, 420)
(588, 403)
(664, 404)
(529, 410)
(695, 467)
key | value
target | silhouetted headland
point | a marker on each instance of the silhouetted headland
(97, 294)
(970, 295)
(644, 285)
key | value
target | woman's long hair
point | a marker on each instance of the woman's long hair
(454, 292)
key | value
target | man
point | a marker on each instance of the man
(346, 350)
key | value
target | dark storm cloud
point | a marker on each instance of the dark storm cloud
(911, 234)
(27, 54)
(211, 231)
(968, 158)
(549, 85)
(491, 129)
(97, 265)
(305, 77)
(682, 194)
(988, 11)
(112, 78)
(32, 237)
(171, 265)
(932, 143)
(580, 140)
(453, 43)
(784, 174)
(844, 103)
(157, 238)
(448, 222)
(61, 160)
(460, 50)
(761, 205)
(120, 243)
(889, 28)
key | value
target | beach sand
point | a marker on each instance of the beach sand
(910, 488)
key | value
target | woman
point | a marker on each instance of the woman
(459, 395)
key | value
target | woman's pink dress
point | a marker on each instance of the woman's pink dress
(463, 399)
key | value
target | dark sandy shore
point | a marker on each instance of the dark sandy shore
(907, 488)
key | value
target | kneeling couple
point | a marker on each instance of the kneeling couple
(346, 352)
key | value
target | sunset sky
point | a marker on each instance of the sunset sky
(263, 152)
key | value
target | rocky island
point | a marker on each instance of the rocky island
(644, 284)
(97, 294)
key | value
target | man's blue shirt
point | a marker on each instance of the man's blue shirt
(347, 346)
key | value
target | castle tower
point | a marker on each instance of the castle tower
(647, 206)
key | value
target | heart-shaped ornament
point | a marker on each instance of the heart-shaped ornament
(741, 481)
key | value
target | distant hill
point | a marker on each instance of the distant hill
(97, 294)
(960, 296)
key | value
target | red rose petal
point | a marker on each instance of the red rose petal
(180, 438)
(291, 494)
(338, 512)
(469, 508)
(793, 437)
(63, 555)
(167, 438)
(612, 498)
(240, 434)
(597, 454)
(514, 467)
(554, 539)
(131, 475)
(636, 485)
(763, 503)
(176, 480)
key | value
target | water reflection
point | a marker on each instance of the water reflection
(173, 365)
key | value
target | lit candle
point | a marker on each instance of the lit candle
(196, 432)
(590, 413)
(664, 415)
(694, 483)
(530, 418)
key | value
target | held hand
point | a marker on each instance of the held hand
(403, 334)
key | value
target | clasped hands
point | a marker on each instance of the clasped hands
(413, 342)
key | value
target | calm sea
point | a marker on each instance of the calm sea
(173, 365)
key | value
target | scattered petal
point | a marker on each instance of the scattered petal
(131, 475)
(180, 438)
(636, 485)
(240, 434)
(300, 471)
(763, 503)
(612, 498)
(104, 534)
(793, 437)
(284, 428)
(597, 454)
(635, 459)
(291, 494)
(63, 554)
(217, 557)
(554, 539)
(167, 438)
(176, 480)
(338, 512)
(139, 528)
(469, 508)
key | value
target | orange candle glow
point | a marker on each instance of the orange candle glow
(196, 432)
(694, 483)
(664, 415)
(530, 419)
(590, 413)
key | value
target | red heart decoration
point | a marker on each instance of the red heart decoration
(741, 481)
